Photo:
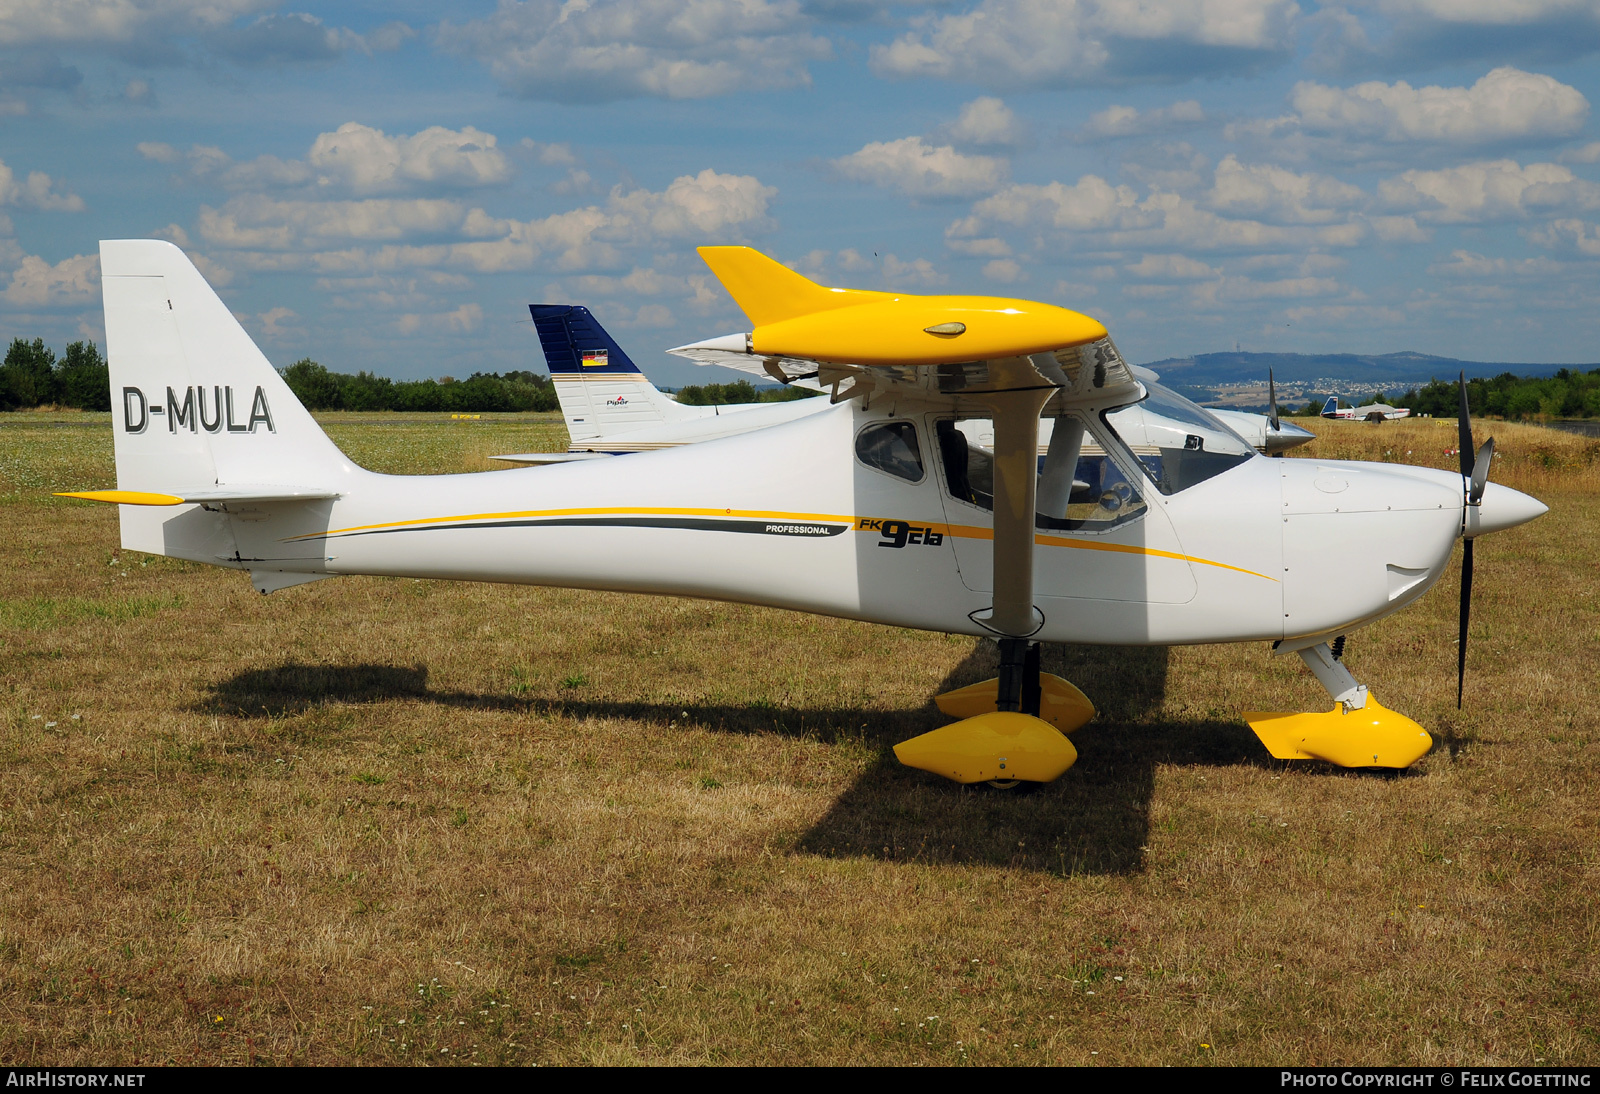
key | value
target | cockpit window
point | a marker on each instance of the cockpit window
(1098, 496)
(891, 447)
(1177, 442)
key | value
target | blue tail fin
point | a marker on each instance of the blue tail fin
(575, 344)
(1330, 406)
(602, 392)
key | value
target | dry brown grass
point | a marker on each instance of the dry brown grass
(384, 820)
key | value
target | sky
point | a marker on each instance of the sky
(374, 188)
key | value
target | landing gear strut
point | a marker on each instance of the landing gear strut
(1019, 676)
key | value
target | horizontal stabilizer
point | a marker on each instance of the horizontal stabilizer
(204, 495)
(550, 457)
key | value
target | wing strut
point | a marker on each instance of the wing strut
(1013, 616)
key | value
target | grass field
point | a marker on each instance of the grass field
(407, 821)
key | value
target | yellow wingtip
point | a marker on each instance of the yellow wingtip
(121, 497)
(768, 292)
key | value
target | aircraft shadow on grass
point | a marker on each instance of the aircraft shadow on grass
(1095, 819)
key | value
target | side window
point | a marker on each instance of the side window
(968, 468)
(1101, 497)
(891, 447)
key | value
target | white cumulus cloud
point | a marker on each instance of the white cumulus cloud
(38, 284)
(1505, 104)
(921, 170)
(1488, 190)
(1279, 195)
(356, 159)
(1127, 121)
(37, 191)
(617, 49)
(368, 160)
(1050, 43)
(386, 234)
(986, 122)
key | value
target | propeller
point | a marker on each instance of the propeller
(1474, 477)
(1272, 397)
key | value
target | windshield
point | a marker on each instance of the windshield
(1178, 443)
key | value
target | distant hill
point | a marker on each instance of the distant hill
(1355, 370)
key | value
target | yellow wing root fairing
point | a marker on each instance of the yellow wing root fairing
(795, 317)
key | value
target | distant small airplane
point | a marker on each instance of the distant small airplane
(611, 408)
(1372, 412)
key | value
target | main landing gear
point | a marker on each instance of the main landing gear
(1358, 732)
(1013, 728)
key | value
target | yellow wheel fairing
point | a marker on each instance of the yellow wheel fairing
(1000, 745)
(1373, 736)
(1060, 702)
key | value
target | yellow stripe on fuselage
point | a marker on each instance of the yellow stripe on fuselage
(960, 531)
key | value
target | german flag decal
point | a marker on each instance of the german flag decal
(594, 358)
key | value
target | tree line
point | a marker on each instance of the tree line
(319, 389)
(1567, 394)
(31, 375)
(740, 391)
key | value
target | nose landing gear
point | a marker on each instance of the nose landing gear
(1358, 732)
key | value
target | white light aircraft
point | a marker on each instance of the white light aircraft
(611, 408)
(1372, 412)
(1149, 524)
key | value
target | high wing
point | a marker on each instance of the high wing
(955, 350)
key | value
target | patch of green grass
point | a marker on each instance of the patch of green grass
(43, 612)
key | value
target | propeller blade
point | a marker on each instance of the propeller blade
(1272, 396)
(1466, 613)
(1480, 471)
(1464, 431)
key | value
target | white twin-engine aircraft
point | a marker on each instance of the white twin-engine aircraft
(611, 407)
(1149, 524)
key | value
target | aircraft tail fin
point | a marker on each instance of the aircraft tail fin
(196, 408)
(1330, 407)
(769, 292)
(602, 392)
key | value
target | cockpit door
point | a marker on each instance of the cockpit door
(1112, 541)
